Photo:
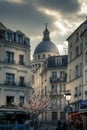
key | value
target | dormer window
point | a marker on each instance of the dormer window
(58, 61)
(26, 41)
(20, 39)
(9, 37)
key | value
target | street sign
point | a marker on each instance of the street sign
(68, 109)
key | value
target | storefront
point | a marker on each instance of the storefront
(12, 116)
(76, 118)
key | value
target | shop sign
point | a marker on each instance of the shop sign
(68, 109)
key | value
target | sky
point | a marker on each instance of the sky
(30, 17)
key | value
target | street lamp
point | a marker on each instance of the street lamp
(68, 97)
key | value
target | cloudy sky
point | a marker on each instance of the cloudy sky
(30, 16)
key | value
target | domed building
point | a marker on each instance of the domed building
(49, 77)
(44, 49)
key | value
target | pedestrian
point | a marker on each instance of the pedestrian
(65, 126)
(73, 127)
(59, 125)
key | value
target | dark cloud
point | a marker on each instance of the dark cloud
(25, 16)
(65, 6)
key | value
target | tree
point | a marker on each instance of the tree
(37, 104)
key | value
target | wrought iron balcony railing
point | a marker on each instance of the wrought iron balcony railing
(15, 84)
(53, 80)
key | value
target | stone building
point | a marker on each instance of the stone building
(15, 70)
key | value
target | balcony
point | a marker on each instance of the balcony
(17, 84)
(7, 61)
(21, 63)
(55, 80)
(53, 94)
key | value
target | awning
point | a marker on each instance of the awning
(74, 114)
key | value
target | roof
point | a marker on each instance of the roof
(85, 22)
(2, 27)
(53, 64)
(46, 45)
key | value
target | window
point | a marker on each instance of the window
(62, 87)
(76, 51)
(85, 95)
(21, 100)
(81, 47)
(54, 103)
(86, 76)
(70, 55)
(58, 61)
(45, 90)
(26, 41)
(10, 78)
(86, 57)
(77, 36)
(38, 56)
(21, 59)
(76, 91)
(44, 56)
(80, 90)
(62, 75)
(54, 74)
(9, 100)
(21, 83)
(9, 37)
(20, 39)
(70, 72)
(77, 71)
(85, 41)
(54, 116)
(80, 69)
(9, 57)
(54, 89)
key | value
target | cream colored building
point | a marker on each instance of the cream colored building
(77, 67)
(15, 69)
(49, 70)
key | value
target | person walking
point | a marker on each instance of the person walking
(59, 125)
(72, 127)
(65, 126)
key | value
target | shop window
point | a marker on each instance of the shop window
(9, 100)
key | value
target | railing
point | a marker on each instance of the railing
(53, 80)
(14, 84)
(14, 127)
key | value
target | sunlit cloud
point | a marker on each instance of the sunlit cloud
(16, 1)
(83, 9)
(63, 50)
(35, 38)
(47, 11)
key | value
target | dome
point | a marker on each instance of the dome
(46, 45)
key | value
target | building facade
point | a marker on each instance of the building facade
(49, 71)
(15, 69)
(53, 75)
(77, 72)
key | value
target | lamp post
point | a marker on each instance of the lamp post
(68, 108)
(68, 97)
